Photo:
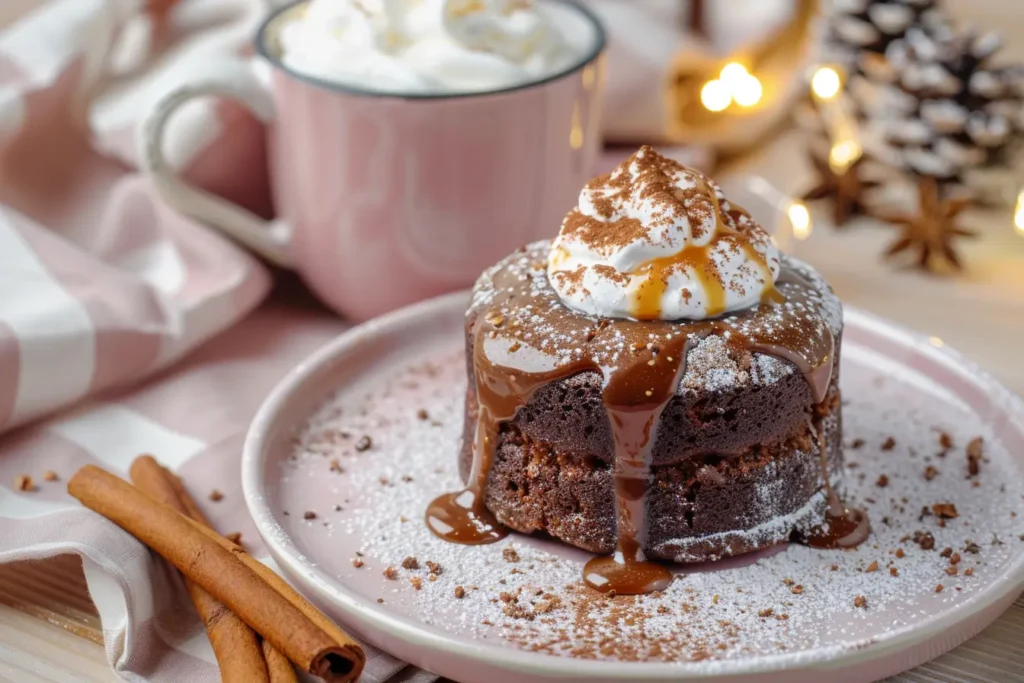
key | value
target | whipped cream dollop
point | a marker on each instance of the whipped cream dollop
(654, 240)
(425, 46)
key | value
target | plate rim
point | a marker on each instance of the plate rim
(370, 617)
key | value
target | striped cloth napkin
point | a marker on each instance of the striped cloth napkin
(105, 295)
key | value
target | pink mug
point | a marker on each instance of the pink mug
(386, 199)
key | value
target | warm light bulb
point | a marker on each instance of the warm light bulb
(715, 95)
(1018, 214)
(733, 72)
(799, 219)
(825, 83)
(843, 154)
(747, 91)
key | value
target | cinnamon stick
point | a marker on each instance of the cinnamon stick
(217, 565)
(278, 666)
(235, 645)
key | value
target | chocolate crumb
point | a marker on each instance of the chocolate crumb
(857, 443)
(930, 473)
(893, 571)
(460, 592)
(23, 482)
(216, 496)
(945, 440)
(889, 444)
(337, 508)
(50, 475)
(380, 601)
(410, 563)
(422, 414)
(364, 443)
(432, 578)
(955, 558)
(766, 612)
(899, 552)
(390, 573)
(357, 563)
(336, 466)
(309, 514)
(517, 611)
(975, 452)
(873, 567)
(946, 552)
(434, 567)
(796, 590)
(860, 601)
(416, 582)
(509, 554)
(924, 539)
(952, 571)
(882, 482)
(939, 588)
(969, 571)
(945, 510)
(835, 567)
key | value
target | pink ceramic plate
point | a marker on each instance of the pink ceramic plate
(341, 513)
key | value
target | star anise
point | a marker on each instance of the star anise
(845, 188)
(930, 230)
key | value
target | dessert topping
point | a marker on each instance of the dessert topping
(654, 240)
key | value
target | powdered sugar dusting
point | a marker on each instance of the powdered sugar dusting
(531, 331)
(526, 593)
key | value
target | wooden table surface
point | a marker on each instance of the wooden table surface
(49, 630)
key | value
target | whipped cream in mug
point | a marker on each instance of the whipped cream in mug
(425, 46)
(656, 240)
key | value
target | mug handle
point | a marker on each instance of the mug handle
(235, 80)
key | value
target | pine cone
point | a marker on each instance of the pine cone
(860, 31)
(947, 114)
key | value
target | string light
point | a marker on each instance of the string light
(1018, 214)
(843, 154)
(734, 84)
(715, 96)
(732, 73)
(799, 219)
(826, 83)
(747, 92)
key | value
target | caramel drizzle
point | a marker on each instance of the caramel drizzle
(646, 304)
(635, 393)
(647, 297)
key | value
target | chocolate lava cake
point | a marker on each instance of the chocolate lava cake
(735, 464)
(682, 406)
